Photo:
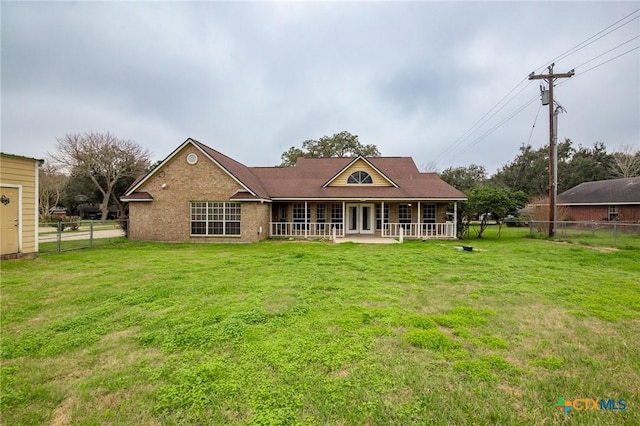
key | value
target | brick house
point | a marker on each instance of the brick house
(603, 200)
(199, 194)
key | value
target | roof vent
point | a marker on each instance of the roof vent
(192, 158)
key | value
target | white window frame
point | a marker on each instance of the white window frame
(407, 216)
(360, 177)
(429, 213)
(211, 213)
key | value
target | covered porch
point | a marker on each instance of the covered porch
(333, 219)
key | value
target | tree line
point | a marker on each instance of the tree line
(526, 178)
(528, 172)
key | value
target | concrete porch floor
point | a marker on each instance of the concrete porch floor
(366, 239)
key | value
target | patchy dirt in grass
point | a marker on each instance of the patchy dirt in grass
(116, 351)
(594, 248)
(62, 414)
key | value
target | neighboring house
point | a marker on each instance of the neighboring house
(199, 194)
(18, 206)
(614, 199)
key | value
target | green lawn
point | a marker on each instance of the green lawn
(315, 333)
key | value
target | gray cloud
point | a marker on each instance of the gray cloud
(252, 79)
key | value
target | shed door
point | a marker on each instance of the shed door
(9, 220)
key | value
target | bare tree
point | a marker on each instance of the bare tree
(52, 183)
(626, 162)
(104, 158)
(431, 166)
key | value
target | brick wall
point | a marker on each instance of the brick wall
(628, 213)
(168, 216)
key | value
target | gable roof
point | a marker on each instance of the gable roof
(310, 177)
(612, 191)
(355, 160)
(307, 179)
(237, 171)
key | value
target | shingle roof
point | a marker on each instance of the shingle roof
(613, 191)
(237, 169)
(307, 177)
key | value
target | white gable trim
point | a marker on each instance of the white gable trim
(173, 154)
(351, 163)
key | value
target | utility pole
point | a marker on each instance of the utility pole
(550, 78)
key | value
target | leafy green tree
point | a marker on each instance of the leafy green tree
(492, 202)
(465, 178)
(529, 171)
(342, 144)
(585, 165)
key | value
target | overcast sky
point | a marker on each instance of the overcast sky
(251, 79)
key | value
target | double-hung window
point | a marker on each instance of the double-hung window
(404, 213)
(215, 218)
(301, 214)
(428, 213)
(321, 213)
(379, 218)
(336, 215)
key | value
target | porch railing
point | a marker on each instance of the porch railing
(305, 230)
(420, 230)
(390, 230)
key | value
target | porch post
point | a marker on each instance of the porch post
(344, 218)
(382, 219)
(455, 218)
(419, 221)
(270, 219)
(306, 220)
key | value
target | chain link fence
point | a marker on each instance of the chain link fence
(61, 236)
(625, 235)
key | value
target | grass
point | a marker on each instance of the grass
(314, 333)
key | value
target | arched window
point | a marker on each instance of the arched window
(359, 177)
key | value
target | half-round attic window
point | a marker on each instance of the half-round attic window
(192, 158)
(360, 177)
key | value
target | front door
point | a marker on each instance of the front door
(360, 218)
(9, 219)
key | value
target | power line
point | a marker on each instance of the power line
(458, 145)
(566, 53)
(610, 50)
(495, 127)
(454, 147)
(600, 64)
(475, 126)
(609, 60)
(604, 35)
(504, 121)
(535, 120)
